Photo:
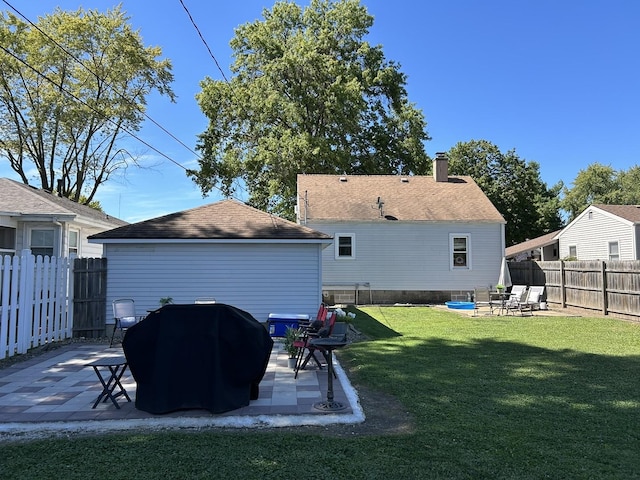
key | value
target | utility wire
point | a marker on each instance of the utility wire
(203, 40)
(113, 89)
(102, 114)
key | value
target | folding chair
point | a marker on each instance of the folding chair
(124, 314)
(304, 345)
(482, 298)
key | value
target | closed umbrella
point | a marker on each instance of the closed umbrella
(505, 276)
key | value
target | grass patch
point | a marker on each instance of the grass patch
(494, 397)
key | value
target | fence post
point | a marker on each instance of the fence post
(25, 301)
(70, 293)
(603, 276)
(563, 292)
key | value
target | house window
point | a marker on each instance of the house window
(614, 251)
(42, 242)
(573, 251)
(460, 251)
(345, 245)
(7, 240)
(73, 242)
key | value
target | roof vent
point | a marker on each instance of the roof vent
(343, 179)
(404, 180)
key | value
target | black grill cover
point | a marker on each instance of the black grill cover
(209, 356)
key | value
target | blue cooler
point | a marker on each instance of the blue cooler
(278, 322)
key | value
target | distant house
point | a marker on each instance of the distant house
(403, 238)
(544, 248)
(46, 224)
(226, 250)
(602, 232)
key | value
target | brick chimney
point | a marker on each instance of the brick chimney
(441, 167)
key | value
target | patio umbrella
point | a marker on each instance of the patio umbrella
(505, 277)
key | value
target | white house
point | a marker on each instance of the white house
(237, 254)
(35, 219)
(403, 238)
(602, 232)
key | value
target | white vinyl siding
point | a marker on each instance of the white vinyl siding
(591, 235)
(258, 278)
(413, 256)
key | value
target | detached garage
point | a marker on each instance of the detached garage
(227, 250)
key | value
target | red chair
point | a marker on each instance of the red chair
(303, 343)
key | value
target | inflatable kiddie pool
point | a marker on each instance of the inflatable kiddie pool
(460, 305)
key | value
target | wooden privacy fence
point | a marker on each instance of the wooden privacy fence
(611, 288)
(35, 306)
(89, 297)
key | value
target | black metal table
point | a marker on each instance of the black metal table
(109, 371)
(327, 346)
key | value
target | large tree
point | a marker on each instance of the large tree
(601, 184)
(513, 185)
(308, 95)
(71, 88)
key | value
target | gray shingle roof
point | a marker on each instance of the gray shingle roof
(18, 198)
(406, 198)
(227, 219)
(628, 212)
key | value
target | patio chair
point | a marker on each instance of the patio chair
(525, 303)
(124, 315)
(539, 290)
(303, 342)
(518, 290)
(482, 298)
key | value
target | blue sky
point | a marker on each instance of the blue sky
(558, 81)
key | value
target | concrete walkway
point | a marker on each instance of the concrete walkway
(54, 393)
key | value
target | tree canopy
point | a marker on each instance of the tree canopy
(601, 184)
(513, 185)
(308, 95)
(71, 88)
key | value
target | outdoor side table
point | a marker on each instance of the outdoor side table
(329, 345)
(109, 371)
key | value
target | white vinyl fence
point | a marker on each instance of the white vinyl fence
(35, 301)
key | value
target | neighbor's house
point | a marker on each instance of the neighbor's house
(227, 250)
(602, 232)
(403, 238)
(544, 248)
(38, 220)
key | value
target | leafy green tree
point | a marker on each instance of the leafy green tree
(513, 185)
(71, 88)
(601, 184)
(308, 95)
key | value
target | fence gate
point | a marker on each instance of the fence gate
(89, 297)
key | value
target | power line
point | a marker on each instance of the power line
(102, 114)
(65, 50)
(203, 40)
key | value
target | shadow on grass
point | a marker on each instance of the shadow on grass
(370, 326)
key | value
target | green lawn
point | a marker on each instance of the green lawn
(493, 397)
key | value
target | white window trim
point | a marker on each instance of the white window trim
(452, 265)
(77, 232)
(611, 242)
(575, 247)
(336, 237)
